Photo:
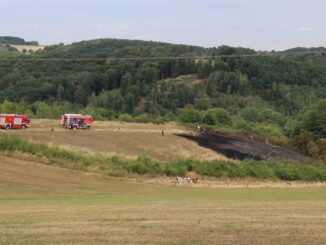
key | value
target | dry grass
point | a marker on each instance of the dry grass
(186, 79)
(20, 48)
(166, 223)
(128, 140)
(48, 205)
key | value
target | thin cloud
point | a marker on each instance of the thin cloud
(303, 29)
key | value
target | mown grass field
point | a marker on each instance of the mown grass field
(20, 48)
(42, 204)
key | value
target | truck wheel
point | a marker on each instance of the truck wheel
(24, 126)
(88, 127)
(8, 127)
(74, 128)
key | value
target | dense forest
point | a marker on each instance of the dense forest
(7, 40)
(277, 94)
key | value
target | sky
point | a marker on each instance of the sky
(258, 24)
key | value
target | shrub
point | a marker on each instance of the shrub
(144, 165)
(270, 130)
(217, 116)
(261, 114)
(169, 117)
(143, 118)
(125, 118)
(242, 125)
(189, 116)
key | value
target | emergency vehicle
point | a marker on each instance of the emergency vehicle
(13, 121)
(76, 121)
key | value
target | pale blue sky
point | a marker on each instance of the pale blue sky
(259, 24)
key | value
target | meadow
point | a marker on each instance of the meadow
(42, 204)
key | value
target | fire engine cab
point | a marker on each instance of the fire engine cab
(76, 121)
(13, 121)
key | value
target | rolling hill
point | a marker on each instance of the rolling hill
(264, 92)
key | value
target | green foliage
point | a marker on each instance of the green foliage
(314, 121)
(203, 103)
(241, 124)
(263, 89)
(217, 116)
(309, 131)
(228, 82)
(125, 118)
(189, 116)
(272, 131)
(169, 117)
(12, 40)
(261, 114)
(124, 86)
(145, 165)
(143, 118)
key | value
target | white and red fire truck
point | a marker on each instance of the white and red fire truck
(13, 121)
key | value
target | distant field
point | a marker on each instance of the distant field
(20, 48)
(128, 140)
(186, 79)
(47, 205)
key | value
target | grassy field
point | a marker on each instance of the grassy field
(20, 48)
(42, 204)
(128, 140)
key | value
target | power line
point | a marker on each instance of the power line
(205, 57)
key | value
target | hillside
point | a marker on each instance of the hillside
(315, 56)
(13, 44)
(8, 40)
(264, 93)
(27, 48)
(11, 40)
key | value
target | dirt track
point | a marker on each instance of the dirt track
(238, 148)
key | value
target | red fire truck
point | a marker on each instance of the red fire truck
(76, 121)
(13, 121)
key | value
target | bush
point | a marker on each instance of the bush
(263, 115)
(217, 116)
(275, 132)
(143, 118)
(241, 124)
(145, 165)
(169, 117)
(189, 116)
(125, 118)
(314, 121)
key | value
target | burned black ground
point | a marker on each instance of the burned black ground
(240, 148)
